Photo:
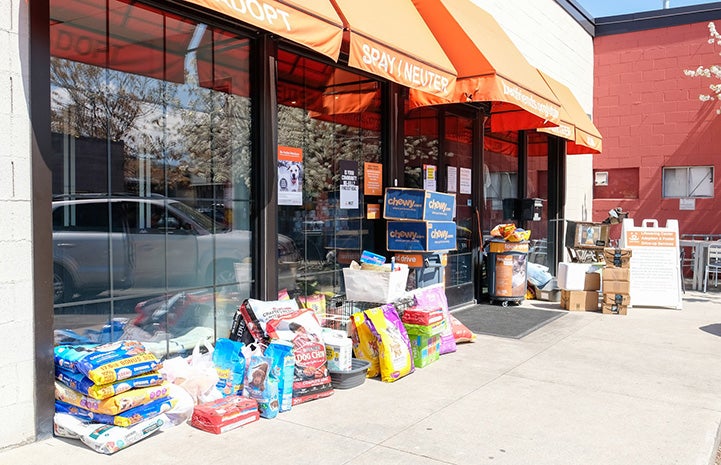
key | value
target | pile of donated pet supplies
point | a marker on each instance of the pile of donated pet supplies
(278, 355)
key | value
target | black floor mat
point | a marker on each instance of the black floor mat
(512, 322)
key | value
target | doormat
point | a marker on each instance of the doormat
(511, 322)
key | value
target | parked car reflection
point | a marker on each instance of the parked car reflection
(102, 243)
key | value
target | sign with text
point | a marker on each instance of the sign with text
(348, 184)
(655, 268)
(372, 178)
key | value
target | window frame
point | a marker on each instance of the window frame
(688, 192)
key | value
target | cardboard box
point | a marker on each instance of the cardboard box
(420, 236)
(586, 234)
(617, 258)
(616, 287)
(579, 301)
(578, 277)
(616, 304)
(616, 274)
(418, 204)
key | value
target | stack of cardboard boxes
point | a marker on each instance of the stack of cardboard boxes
(579, 283)
(616, 286)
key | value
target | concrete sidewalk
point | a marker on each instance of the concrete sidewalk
(591, 389)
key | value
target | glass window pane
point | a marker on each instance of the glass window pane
(151, 123)
(328, 123)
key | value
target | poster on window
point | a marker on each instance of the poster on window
(465, 186)
(290, 175)
(452, 179)
(429, 177)
(373, 178)
(348, 184)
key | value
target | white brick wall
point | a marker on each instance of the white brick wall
(17, 411)
(552, 41)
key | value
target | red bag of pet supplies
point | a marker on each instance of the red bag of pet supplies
(225, 414)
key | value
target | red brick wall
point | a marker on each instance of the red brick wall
(650, 116)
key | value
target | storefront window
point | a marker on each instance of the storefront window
(500, 176)
(458, 162)
(151, 175)
(537, 187)
(329, 126)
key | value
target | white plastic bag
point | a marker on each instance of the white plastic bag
(201, 377)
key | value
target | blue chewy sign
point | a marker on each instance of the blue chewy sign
(421, 236)
(418, 204)
(403, 204)
(439, 206)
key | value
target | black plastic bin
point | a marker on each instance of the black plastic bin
(506, 271)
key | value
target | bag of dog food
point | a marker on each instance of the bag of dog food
(127, 418)
(107, 363)
(251, 318)
(112, 405)
(311, 379)
(230, 365)
(461, 333)
(106, 439)
(365, 344)
(315, 302)
(261, 386)
(282, 369)
(394, 348)
(225, 414)
(85, 386)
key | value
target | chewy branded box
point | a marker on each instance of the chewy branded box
(420, 236)
(426, 350)
(418, 204)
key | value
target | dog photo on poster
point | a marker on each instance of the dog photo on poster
(290, 175)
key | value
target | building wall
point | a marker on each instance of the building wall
(17, 417)
(650, 115)
(554, 42)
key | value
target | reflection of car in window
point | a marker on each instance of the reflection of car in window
(148, 242)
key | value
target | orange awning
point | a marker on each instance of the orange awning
(390, 39)
(312, 23)
(490, 68)
(576, 126)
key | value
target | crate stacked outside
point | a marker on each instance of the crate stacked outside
(580, 284)
(616, 285)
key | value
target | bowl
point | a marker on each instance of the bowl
(352, 378)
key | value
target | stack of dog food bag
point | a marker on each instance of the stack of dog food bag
(109, 395)
(424, 326)
(288, 353)
(616, 281)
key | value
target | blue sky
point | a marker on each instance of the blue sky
(600, 8)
